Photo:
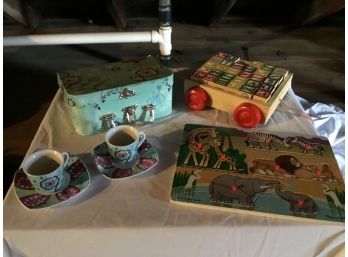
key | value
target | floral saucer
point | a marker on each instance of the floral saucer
(76, 179)
(148, 158)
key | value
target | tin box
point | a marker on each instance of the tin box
(126, 92)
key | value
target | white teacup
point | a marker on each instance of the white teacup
(45, 170)
(123, 142)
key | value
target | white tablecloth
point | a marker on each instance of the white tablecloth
(134, 216)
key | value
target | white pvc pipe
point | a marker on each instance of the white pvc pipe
(165, 42)
(83, 38)
(162, 37)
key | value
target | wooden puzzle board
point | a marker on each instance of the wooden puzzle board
(290, 176)
(250, 79)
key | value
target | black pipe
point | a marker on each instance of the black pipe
(165, 20)
(165, 13)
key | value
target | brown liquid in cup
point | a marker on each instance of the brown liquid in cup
(43, 166)
(121, 138)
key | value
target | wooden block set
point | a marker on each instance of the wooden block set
(251, 79)
(250, 90)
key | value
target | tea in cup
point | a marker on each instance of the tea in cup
(123, 142)
(45, 170)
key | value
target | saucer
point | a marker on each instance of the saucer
(148, 158)
(76, 180)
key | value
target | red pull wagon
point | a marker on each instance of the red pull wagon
(249, 90)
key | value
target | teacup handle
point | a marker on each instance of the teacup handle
(66, 158)
(142, 138)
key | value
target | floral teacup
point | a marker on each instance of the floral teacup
(123, 142)
(45, 170)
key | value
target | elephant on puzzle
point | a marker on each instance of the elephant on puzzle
(299, 203)
(227, 188)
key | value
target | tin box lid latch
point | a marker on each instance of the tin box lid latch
(129, 113)
(126, 92)
(108, 121)
(151, 108)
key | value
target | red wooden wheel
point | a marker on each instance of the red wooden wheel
(196, 98)
(247, 115)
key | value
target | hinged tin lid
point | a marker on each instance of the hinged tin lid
(112, 75)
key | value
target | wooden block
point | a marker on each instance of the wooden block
(268, 67)
(257, 64)
(199, 75)
(215, 59)
(218, 77)
(262, 72)
(227, 75)
(216, 72)
(233, 71)
(222, 82)
(279, 79)
(271, 82)
(224, 68)
(238, 66)
(225, 56)
(247, 91)
(210, 64)
(221, 55)
(205, 69)
(252, 83)
(262, 96)
(256, 77)
(245, 74)
(234, 85)
(240, 80)
(280, 71)
(232, 58)
(249, 69)
(227, 62)
(246, 63)
(268, 88)
(211, 78)
(275, 76)
(225, 78)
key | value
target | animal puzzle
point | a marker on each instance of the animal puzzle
(250, 89)
(260, 172)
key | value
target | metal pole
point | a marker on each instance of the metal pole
(165, 19)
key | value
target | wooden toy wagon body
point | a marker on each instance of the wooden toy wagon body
(249, 90)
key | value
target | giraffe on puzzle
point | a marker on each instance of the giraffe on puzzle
(200, 141)
(223, 157)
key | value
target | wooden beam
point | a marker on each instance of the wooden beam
(117, 11)
(22, 12)
(222, 7)
(316, 10)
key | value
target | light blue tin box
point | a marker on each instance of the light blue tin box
(127, 92)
